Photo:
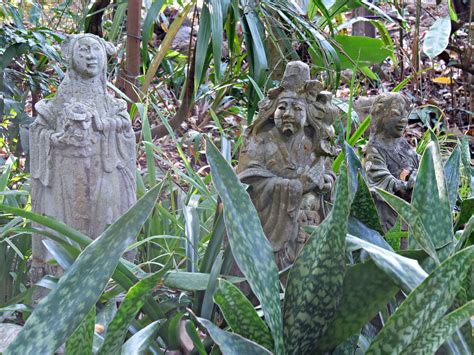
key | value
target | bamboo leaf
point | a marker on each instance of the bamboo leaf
(230, 343)
(80, 342)
(251, 249)
(437, 37)
(315, 282)
(424, 306)
(240, 314)
(59, 314)
(202, 43)
(148, 25)
(118, 20)
(131, 304)
(430, 198)
(215, 12)
(430, 341)
(367, 290)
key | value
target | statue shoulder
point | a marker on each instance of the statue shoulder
(46, 112)
(117, 105)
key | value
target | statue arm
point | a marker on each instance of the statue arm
(379, 175)
(40, 149)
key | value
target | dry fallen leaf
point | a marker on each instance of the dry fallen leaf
(404, 174)
(442, 80)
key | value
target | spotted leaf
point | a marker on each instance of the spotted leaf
(315, 282)
(60, 313)
(424, 306)
(240, 314)
(250, 248)
(80, 342)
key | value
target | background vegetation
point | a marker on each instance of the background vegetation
(198, 72)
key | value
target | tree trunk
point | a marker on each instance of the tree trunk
(94, 22)
(128, 76)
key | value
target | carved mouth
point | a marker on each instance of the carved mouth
(92, 65)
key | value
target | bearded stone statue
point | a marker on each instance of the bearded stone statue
(286, 160)
(82, 149)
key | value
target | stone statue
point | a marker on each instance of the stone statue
(286, 160)
(82, 149)
(390, 162)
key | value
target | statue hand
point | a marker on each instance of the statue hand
(411, 180)
(57, 138)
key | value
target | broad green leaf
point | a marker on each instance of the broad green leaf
(360, 230)
(413, 219)
(207, 307)
(452, 174)
(366, 291)
(430, 341)
(251, 249)
(315, 282)
(192, 281)
(405, 272)
(437, 37)
(138, 343)
(240, 314)
(118, 21)
(60, 313)
(80, 342)
(231, 343)
(194, 335)
(202, 43)
(148, 25)
(424, 306)
(363, 208)
(131, 304)
(467, 210)
(430, 198)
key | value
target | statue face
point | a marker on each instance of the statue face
(395, 122)
(290, 115)
(88, 57)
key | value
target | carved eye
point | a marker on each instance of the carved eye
(96, 47)
(298, 108)
(281, 107)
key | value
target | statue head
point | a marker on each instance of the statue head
(389, 113)
(296, 102)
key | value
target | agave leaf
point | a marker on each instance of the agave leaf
(192, 281)
(80, 342)
(424, 306)
(366, 291)
(315, 282)
(60, 313)
(430, 198)
(360, 230)
(433, 338)
(138, 343)
(452, 174)
(251, 249)
(231, 343)
(405, 272)
(411, 215)
(131, 304)
(240, 314)
(207, 307)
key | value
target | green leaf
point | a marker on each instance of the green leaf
(192, 281)
(59, 314)
(366, 291)
(363, 208)
(467, 210)
(148, 24)
(413, 219)
(315, 282)
(138, 343)
(251, 249)
(430, 341)
(437, 37)
(230, 343)
(131, 304)
(118, 21)
(452, 175)
(424, 306)
(405, 272)
(194, 335)
(240, 314)
(202, 43)
(80, 342)
(215, 12)
(430, 198)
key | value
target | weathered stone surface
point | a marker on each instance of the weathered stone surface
(8, 332)
(286, 159)
(390, 162)
(82, 148)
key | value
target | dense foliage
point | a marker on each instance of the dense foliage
(351, 289)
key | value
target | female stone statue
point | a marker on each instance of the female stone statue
(390, 162)
(82, 147)
(286, 160)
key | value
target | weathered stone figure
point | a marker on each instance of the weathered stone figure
(82, 148)
(286, 159)
(390, 162)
